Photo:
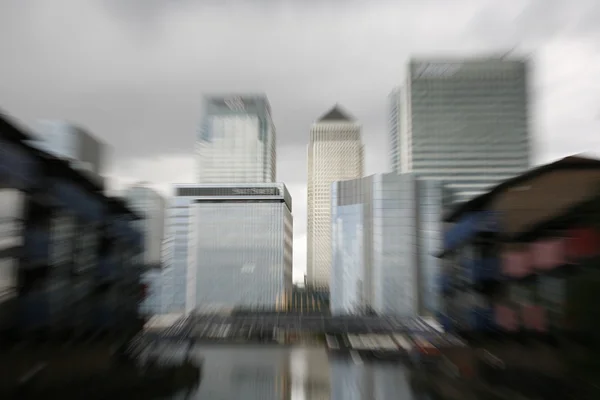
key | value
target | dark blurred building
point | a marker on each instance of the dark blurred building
(522, 262)
(70, 257)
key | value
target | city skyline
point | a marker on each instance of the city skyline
(145, 101)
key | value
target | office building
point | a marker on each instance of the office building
(237, 140)
(151, 206)
(235, 242)
(65, 140)
(386, 229)
(464, 121)
(335, 153)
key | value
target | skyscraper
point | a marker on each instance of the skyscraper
(464, 121)
(237, 140)
(232, 245)
(335, 153)
(386, 229)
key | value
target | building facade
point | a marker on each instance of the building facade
(387, 228)
(465, 121)
(70, 142)
(237, 140)
(71, 240)
(335, 153)
(167, 286)
(151, 206)
(235, 242)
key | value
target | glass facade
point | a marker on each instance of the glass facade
(463, 121)
(237, 141)
(175, 289)
(151, 206)
(232, 246)
(152, 304)
(392, 269)
(347, 239)
(241, 254)
(395, 263)
(430, 237)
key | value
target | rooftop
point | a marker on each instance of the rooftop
(336, 114)
(574, 162)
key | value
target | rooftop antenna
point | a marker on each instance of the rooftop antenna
(509, 52)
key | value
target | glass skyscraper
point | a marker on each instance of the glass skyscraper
(386, 229)
(234, 242)
(335, 152)
(237, 140)
(464, 121)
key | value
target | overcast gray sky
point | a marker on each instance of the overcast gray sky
(133, 71)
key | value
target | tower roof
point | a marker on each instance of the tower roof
(336, 114)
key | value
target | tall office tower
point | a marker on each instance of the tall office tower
(335, 153)
(462, 120)
(151, 206)
(237, 140)
(235, 242)
(386, 230)
(65, 140)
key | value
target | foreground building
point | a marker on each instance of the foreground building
(335, 153)
(465, 121)
(522, 261)
(70, 289)
(71, 256)
(234, 243)
(237, 140)
(385, 230)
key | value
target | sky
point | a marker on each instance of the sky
(133, 71)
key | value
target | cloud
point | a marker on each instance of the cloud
(133, 72)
